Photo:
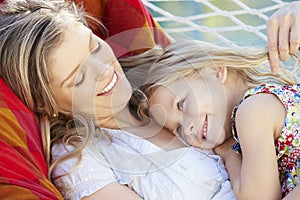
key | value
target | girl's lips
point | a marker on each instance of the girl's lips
(110, 86)
(205, 129)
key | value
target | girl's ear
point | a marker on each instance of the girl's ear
(222, 74)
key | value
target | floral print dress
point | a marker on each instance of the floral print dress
(287, 145)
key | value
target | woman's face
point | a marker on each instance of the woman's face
(193, 109)
(86, 77)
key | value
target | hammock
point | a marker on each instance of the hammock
(234, 22)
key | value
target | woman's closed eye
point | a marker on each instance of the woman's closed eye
(95, 51)
(81, 75)
(80, 78)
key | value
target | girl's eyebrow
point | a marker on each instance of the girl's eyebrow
(78, 66)
(174, 102)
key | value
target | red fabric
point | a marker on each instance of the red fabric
(23, 168)
(130, 26)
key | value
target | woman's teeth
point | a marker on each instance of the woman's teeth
(110, 85)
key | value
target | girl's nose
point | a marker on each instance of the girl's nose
(189, 129)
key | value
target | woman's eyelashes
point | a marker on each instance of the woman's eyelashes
(80, 78)
(95, 51)
(81, 75)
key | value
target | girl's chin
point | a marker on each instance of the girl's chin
(208, 146)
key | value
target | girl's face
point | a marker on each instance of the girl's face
(192, 108)
(87, 79)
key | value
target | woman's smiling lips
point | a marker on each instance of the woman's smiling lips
(110, 86)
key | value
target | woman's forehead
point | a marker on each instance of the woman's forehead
(72, 51)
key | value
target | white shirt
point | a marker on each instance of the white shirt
(153, 173)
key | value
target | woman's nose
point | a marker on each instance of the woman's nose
(105, 71)
(99, 68)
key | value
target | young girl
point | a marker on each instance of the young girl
(204, 93)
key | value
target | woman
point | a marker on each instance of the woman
(71, 80)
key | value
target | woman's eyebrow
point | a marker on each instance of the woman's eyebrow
(90, 41)
(97, 49)
(76, 68)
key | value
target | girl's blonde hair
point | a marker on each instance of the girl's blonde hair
(30, 30)
(185, 58)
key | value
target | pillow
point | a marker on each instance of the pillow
(23, 170)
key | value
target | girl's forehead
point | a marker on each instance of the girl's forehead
(181, 82)
(168, 91)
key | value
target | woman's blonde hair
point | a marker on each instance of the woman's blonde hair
(185, 58)
(30, 30)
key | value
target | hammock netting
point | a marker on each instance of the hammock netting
(234, 22)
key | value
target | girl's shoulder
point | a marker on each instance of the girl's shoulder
(258, 104)
(262, 110)
(289, 95)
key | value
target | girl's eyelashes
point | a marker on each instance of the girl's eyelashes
(179, 127)
(179, 130)
(80, 79)
(180, 105)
